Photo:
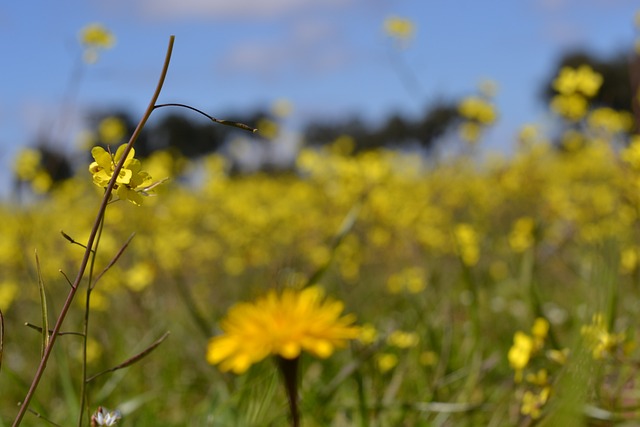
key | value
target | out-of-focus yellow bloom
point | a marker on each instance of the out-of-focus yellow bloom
(428, 358)
(478, 109)
(8, 292)
(520, 353)
(468, 244)
(402, 339)
(600, 340)
(401, 29)
(95, 37)
(111, 130)
(268, 128)
(572, 106)
(533, 403)
(540, 378)
(411, 279)
(470, 132)
(631, 153)
(368, 334)
(610, 120)
(558, 356)
(27, 164)
(42, 182)
(282, 108)
(281, 324)
(572, 140)
(628, 260)
(521, 237)
(386, 361)
(140, 276)
(581, 80)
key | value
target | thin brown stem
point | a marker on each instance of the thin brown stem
(94, 231)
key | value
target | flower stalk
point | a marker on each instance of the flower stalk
(24, 406)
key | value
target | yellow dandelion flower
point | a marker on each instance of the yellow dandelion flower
(281, 324)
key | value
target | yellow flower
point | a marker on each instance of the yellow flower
(368, 334)
(601, 341)
(521, 237)
(399, 28)
(282, 325)
(386, 361)
(27, 164)
(111, 130)
(131, 181)
(95, 37)
(578, 80)
(520, 353)
(401, 339)
(532, 403)
(478, 109)
(468, 245)
(570, 106)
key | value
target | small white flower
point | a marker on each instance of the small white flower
(104, 417)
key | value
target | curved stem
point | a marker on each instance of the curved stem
(213, 119)
(94, 231)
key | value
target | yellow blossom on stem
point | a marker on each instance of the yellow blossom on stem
(282, 325)
(131, 182)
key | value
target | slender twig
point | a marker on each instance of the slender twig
(213, 119)
(39, 329)
(85, 259)
(133, 359)
(85, 329)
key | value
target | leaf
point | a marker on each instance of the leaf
(1, 337)
(43, 308)
(133, 359)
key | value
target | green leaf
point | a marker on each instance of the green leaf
(43, 308)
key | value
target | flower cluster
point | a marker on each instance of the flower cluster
(574, 87)
(131, 183)
(478, 112)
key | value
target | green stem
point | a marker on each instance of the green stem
(289, 370)
(83, 385)
(92, 236)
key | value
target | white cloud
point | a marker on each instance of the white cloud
(225, 9)
(310, 46)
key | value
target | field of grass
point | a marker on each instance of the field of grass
(495, 292)
(444, 265)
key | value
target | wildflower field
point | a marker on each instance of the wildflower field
(370, 288)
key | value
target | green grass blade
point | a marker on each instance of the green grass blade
(1, 338)
(43, 308)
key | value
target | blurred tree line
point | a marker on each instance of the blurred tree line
(193, 136)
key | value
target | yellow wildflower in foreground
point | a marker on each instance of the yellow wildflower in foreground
(281, 324)
(131, 182)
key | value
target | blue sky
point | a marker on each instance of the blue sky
(330, 58)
